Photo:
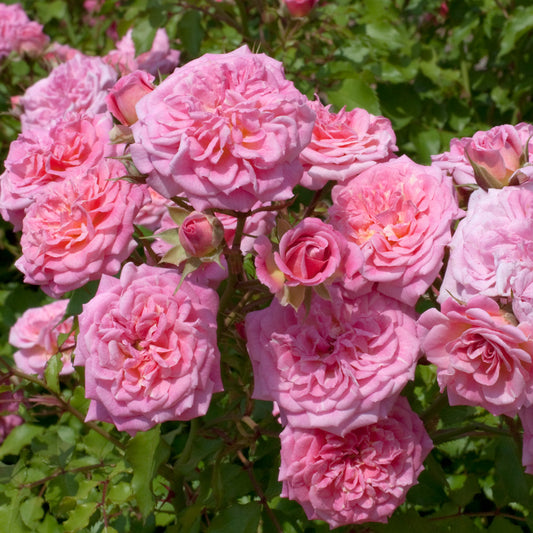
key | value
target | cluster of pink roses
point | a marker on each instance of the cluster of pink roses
(210, 149)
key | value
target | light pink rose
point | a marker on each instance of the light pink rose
(42, 156)
(344, 144)
(361, 477)
(18, 33)
(497, 150)
(80, 84)
(60, 53)
(400, 214)
(337, 367)
(125, 94)
(35, 334)
(260, 223)
(311, 253)
(153, 211)
(526, 417)
(491, 245)
(79, 229)
(300, 8)
(225, 131)
(482, 358)
(522, 294)
(150, 352)
(160, 59)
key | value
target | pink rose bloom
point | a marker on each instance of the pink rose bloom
(125, 94)
(400, 214)
(150, 352)
(481, 357)
(522, 295)
(60, 53)
(153, 211)
(491, 245)
(337, 367)
(497, 150)
(9, 405)
(160, 58)
(36, 333)
(344, 144)
(260, 223)
(225, 131)
(81, 84)
(79, 229)
(526, 417)
(361, 477)
(311, 253)
(42, 156)
(18, 33)
(300, 8)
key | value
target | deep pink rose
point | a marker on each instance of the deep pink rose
(482, 358)
(79, 229)
(18, 33)
(225, 131)
(300, 8)
(80, 84)
(491, 245)
(361, 477)
(35, 334)
(125, 94)
(150, 352)
(311, 253)
(41, 156)
(400, 214)
(344, 144)
(337, 367)
(497, 150)
(200, 234)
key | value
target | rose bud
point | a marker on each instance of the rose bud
(300, 8)
(125, 94)
(200, 234)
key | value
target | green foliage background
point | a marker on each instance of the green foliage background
(437, 71)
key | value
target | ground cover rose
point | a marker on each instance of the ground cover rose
(312, 253)
(36, 333)
(497, 150)
(225, 131)
(40, 156)
(80, 85)
(79, 229)
(482, 358)
(491, 245)
(337, 367)
(361, 477)
(150, 352)
(344, 144)
(18, 33)
(400, 214)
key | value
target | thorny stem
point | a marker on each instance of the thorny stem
(471, 430)
(61, 471)
(478, 514)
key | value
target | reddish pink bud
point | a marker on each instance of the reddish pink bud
(300, 8)
(200, 234)
(125, 94)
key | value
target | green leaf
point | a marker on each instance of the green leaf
(191, 33)
(511, 484)
(31, 512)
(241, 518)
(19, 437)
(145, 453)
(51, 372)
(355, 93)
(81, 296)
(515, 27)
(46, 11)
(79, 517)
